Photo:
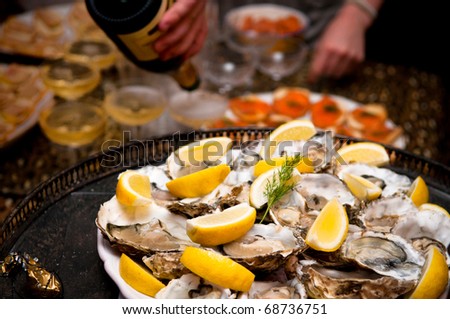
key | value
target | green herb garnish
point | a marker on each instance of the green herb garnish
(279, 185)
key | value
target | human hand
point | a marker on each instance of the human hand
(184, 29)
(342, 45)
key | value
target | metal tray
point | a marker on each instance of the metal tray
(56, 221)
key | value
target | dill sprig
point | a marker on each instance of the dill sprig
(279, 185)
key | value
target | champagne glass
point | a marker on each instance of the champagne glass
(227, 69)
(136, 105)
(283, 58)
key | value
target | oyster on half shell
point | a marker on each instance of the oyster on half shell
(292, 289)
(321, 282)
(190, 286)
(319, 189)
(142, 230)
(385, 254)
(265, 247)
(390, 182)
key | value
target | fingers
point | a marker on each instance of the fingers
(177, 12)
(333, 63)
(189, 40)
(184, 33)
(197, 44)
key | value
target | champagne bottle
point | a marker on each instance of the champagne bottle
(133, 26)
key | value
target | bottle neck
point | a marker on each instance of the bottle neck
(186, 76)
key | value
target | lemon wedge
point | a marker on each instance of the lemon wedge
(134, 189)
(418, 192)
(434, 277)
(297, 130)
(138, 277)
(330, 228)
(199, 183)
(220, 228)
(363, 152)
(362, 188)
(265, 165)
(218, 269)
(434, 207)
(209, 149)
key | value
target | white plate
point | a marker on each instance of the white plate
(348, 104)
(111, 259)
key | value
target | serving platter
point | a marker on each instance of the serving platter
(56, 222)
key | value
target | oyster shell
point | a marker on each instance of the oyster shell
(385, 254)
(319, 189)
(292, 289)
(390, 182)
(382, 214)
(264, 248)
(142, 230)
(321, 282)
(145, 238)
(424, 224)
(190, 286)
(165, 265)
(288, 210)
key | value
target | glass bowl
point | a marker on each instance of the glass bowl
(252, 28)
(70, 80)
(73, 123)
(226, 68)
(95, 53)
(197, 109)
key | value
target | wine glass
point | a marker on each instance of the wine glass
(283, 58)
(227, 69)
(135, 105)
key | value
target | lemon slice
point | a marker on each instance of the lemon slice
(138, 277)
(297, 130)
(418, 192)
(199, 183)
(434, 277)
(218, 269)
(363, 152)
(330, 228)
(257, 197)
(362, 188)
(434, 207)
(265, 165)
(209, 149)
(220, 228)
(134, 189)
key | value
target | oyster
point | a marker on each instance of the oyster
(265, 247)
(382, 214)
(165, 265)
(288, 210)
(314, 150)
(424, 224)
(385, 254)
(390, 182)
(321, 282)
(319, 189)
(140, 230)
(146, 238)
(190, 286)
(292, 289)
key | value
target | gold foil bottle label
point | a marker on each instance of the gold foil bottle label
(140, 42)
